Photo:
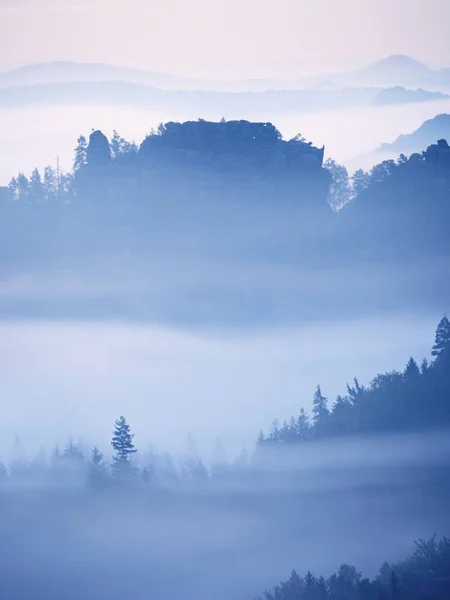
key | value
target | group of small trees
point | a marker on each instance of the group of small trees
(53, 185)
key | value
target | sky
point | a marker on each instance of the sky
(223, 36)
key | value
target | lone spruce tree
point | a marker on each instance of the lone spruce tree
(122, 443)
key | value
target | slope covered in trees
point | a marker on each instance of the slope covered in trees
(401, 209)
(414, 399)
(424, 575)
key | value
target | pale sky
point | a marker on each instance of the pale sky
(191, 36)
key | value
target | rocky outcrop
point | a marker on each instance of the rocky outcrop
(258, 145)
(98, 150)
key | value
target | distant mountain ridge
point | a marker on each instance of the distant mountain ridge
(421, 138)
(116, 93)
(81, 72)
(396, 70)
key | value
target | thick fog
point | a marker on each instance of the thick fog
(72, 379)
(360, 502)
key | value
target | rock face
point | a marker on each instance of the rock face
(98, 151)
(439, 155)
(258, 145)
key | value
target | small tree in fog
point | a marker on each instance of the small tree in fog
(97, 468)
(320, 408)
(122, 443)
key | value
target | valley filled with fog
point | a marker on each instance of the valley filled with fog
(224, 332)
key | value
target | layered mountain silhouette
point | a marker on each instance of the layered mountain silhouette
(421, 138)
(80, 72)
(396, 70)
(117, 93)
(399, 70)
(409, 143)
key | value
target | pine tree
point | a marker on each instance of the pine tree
(442, 341)
(97, 469)
(356, 392)
(13, 188)
(122, 443)
(412, 371)
(309, 586)
(22, 186)
(50, 184)
(72, 451)
(261, 438)
(320, 408)
(36, 187)
(424, 367)
(120, 145)
(303, 425)
(80, 158)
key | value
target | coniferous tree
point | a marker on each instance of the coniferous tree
(72, 451)
(412, 371)
(424, 366)
(36, 187)
(97, 469)
(320, 408)
(80, 158)
(356, 392)
(122, 443)
(120, 145)
(50, 184)
(13, 188)
(303, 425)
(442, 341)
(22, 186)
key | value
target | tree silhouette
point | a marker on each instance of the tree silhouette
(122, 443)
(98, 469)
(442, 340)
(80, 158)
(320, 409)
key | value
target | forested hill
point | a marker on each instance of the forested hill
(401, 209)
(235, 192)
